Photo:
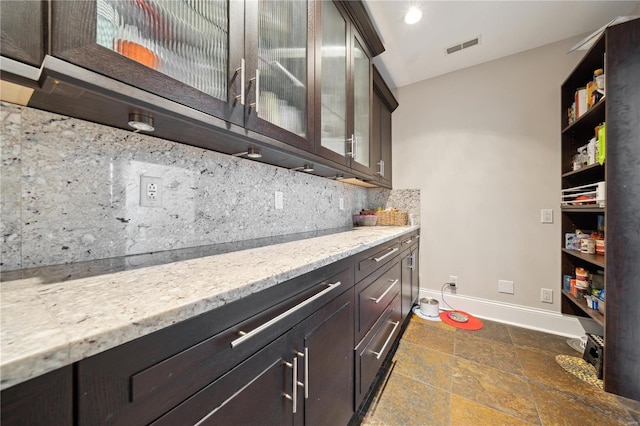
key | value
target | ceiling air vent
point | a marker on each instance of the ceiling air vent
(464, 45)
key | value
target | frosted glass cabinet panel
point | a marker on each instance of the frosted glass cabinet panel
(282, 64)
(333, 96)
(186, 40)
(344, 90)
(361, 103)
(188, 51)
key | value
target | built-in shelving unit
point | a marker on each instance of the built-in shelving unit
(617, 52)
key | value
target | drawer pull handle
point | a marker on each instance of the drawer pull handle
(385, 292)
(305, 385)
(407, 241)
(244, 336)
(393, 250)
(386, 342)
(294, 391)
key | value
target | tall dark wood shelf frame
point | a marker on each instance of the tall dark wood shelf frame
(617, 51)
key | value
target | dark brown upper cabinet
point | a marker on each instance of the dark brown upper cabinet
(279, 67)
(343, 90)
(23, 30)
(247, 63)
(383, 105)
(190, 53)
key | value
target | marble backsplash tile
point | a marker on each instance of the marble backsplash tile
(70, 191)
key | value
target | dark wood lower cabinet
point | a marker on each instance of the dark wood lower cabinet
(327, 341)
(45, 400)
(415, 273)
(373, 349)
(251, 394)
(300, 370)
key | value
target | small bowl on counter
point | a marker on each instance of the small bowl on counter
(365, 219)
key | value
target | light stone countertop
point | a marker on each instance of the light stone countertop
(50, 319)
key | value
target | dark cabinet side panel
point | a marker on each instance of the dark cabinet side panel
(622, 340)
(45, 400)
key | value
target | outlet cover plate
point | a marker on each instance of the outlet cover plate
(546, 295)
(150, 191)
(546, 216)
(505, 286)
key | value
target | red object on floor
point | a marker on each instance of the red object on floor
(473, 323)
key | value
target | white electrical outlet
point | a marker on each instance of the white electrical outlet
(546, 216)
(505, 286)
(279, 200)
(150, 191)
(341, 203)
(546, 295)
(453, 279)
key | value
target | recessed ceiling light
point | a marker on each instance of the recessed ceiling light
(413, 15)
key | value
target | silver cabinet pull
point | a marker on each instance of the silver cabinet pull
(257, 80)
(240, 70)
(386, 342)
(294, 391)
(246, 336)
(381, 168)
(407, 241)
(352, 142)
(385, 292)
(305, 385)
(393, 250)
(355, 147)
(412, 258)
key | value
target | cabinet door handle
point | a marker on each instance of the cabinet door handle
(240, 70)
(246, 336)
(386, 342)
(305, 385)
(385, 292)
(393, 250)
(294, 389)
(351, 142)
(257, 80)
(381, 168)
(413, 262)
(355, 147)
(408, 241)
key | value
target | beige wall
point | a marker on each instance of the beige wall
(483, 146)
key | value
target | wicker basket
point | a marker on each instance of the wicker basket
(393, 217)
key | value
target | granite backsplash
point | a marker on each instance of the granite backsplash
(70, 191)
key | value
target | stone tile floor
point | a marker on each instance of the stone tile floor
(499, 375)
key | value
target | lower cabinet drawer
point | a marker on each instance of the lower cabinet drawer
(251, 394)
(374, 294)
(370, 260)
(138, 382)
(372, 350)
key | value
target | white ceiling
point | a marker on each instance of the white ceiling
(417, 52)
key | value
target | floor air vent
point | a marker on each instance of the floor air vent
(464, 45)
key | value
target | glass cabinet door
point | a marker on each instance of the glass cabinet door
(188, 51)
(185, 40)
(278, 40)
(361, 104)
(333, 85)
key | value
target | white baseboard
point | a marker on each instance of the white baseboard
(518, 315)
